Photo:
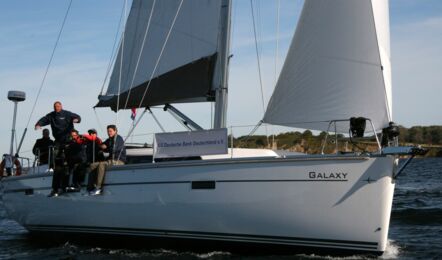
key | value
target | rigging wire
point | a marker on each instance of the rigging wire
(259, 66)
(257, 57)
(152, 75)
(278, 8)
(49, 64)
(141, 52)
(100, 125)
(157, 121)
(113, 52)
(119, 78)
(112, 58)
(161, 53)
(121, 62)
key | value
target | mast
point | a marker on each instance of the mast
(222, 89)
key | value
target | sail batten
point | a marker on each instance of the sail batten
(183, 71)
(338, 66)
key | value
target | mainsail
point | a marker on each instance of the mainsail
(185, 71)
(337, 67)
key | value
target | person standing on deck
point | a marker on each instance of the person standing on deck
(62, 123)
(114, 145)
(42, 148)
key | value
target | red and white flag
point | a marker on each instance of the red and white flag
(134, 113)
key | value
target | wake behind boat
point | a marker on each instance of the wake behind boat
(190, 186)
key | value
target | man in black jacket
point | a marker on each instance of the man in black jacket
(76, 161)
(42, 148)
(62, 123)
(114, 145)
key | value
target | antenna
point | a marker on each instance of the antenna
(15, 96)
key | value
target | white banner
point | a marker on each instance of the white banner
(194, 143)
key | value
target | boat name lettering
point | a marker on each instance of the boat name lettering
(326, 175)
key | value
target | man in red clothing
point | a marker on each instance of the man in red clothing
(93, 149)
(85, 151)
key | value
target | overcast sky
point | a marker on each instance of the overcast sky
(28, 30)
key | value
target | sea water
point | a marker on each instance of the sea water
(415, 228)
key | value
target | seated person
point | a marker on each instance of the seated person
(94, 155)
(42, 148)
(114, 145)
(76, 158)
(93, 147)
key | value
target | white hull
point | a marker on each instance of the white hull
(263, 200)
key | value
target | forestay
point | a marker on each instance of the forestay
(183, 72)
(337, 67)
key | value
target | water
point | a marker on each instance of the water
(415, 228)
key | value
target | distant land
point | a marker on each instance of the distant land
(306, 142)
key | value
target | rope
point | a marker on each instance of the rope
(139, 55)
(113, 52)
(161, 53)
(49, 63)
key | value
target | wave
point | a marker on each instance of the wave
(425, 192)
(423, 216)
(392, 251)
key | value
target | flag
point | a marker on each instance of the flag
(133, 114)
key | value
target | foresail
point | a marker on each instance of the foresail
(174, 69)
(337, 67)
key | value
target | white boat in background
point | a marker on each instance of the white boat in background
(338, 67)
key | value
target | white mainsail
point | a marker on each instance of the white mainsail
(184, 71)
(337, 67)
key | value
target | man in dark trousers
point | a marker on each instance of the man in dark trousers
(62, 123)
(76, 161)
(42, 149)
(94, 155)
(114, 145)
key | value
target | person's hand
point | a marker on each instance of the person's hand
(75, 120)
(37, 127)
(103, 146)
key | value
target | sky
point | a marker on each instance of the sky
(29, 28)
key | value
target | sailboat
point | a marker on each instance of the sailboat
(337, 68)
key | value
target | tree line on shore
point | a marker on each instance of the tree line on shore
(307, 142)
